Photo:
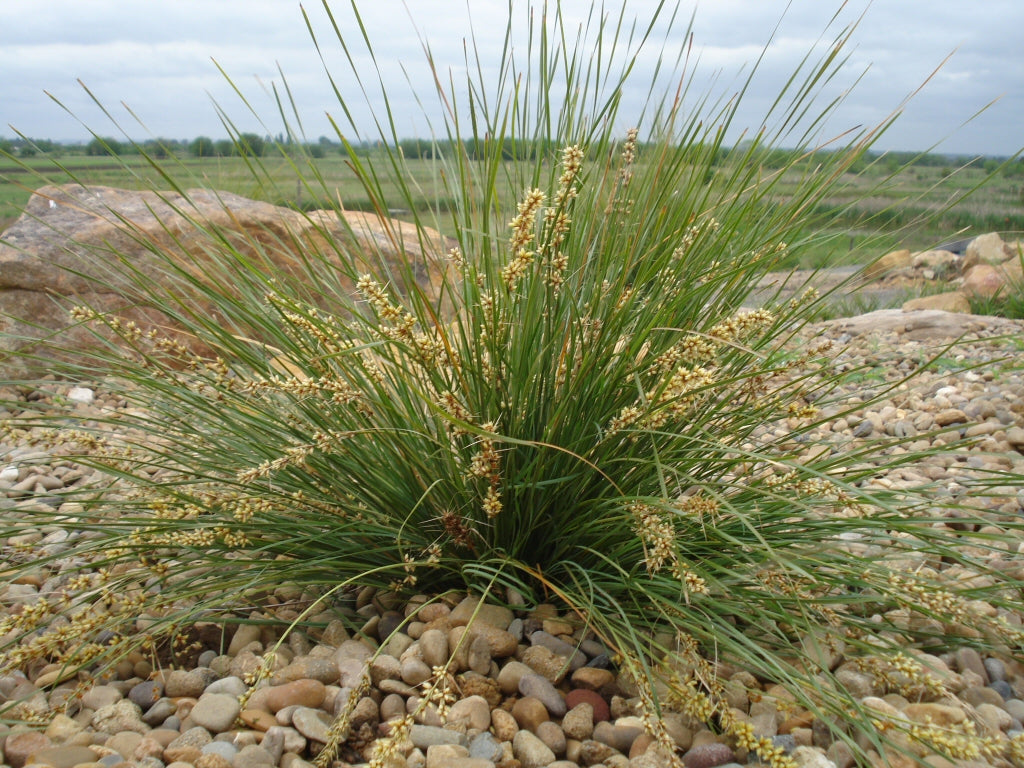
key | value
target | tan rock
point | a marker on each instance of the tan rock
(983, 281)
(52, 257)
(944, 263)
(306, 693)
(953, 301)
(888, 263)
(937, 714)
(988, 249)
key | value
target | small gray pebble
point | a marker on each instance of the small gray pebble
(996, 669)
(786, 741)
(160, 714)
(1002, 688)
(225, 749)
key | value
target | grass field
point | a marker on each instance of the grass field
(849, 228)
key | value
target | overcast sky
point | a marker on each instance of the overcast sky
(156, 56)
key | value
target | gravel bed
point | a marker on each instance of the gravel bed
(532, 690)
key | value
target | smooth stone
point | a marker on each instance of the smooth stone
(353, 649)
(307, 668)
(620, 737)
(100, 696)
(478, 659)
(159, 712)
(592, 678)
(529, 713)
(351, 673)
(257, 719)
(145, 694)
(392, 707)
(1003, 688)
(216, 712)
(63, 729)
(415, 671)
(708, 756)
(473, 711)
(225, 749)
(281, 739)
(471, 609)
(250, 756)
(314, 724)
(234, 686)
(442, 755)
(433, 645)
(510, 675)
(385, 668)
(245, 635)
(304, 693)
(425, 736)
(530, 751)
(600, 708)
(553, 736)
(389, 623)
(463, 762)
(485, 746)
(126, 742)
(20, 746)
(536, 686)
(970, 659)
(63, 757)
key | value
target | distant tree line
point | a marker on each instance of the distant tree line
(254, 145)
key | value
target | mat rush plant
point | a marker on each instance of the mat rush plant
(564, 399)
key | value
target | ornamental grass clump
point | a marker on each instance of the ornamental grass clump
(562, 394)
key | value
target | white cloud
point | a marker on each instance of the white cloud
(156, 57)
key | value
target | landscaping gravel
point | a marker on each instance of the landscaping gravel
(531, 694)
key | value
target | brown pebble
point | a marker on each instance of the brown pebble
(19, 746)
(592, 678)
(306, 693)
(258, 719)
(708, 756)
(802, 720)
(580, 695)
(619, 737)
(63, 757)
(181, 754)
(529, 713)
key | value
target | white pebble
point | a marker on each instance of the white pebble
(82, 395)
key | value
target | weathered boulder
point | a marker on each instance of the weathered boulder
(81, 245)
(919, 325)
(941, 264)
(988, 280)
(988, 249)
(889, 263)
(952, 301)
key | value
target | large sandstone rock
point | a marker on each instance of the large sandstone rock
(988, 249)
(886, 264)
(987, 280)
(58, 254)
(919, 325)
(952, 301)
